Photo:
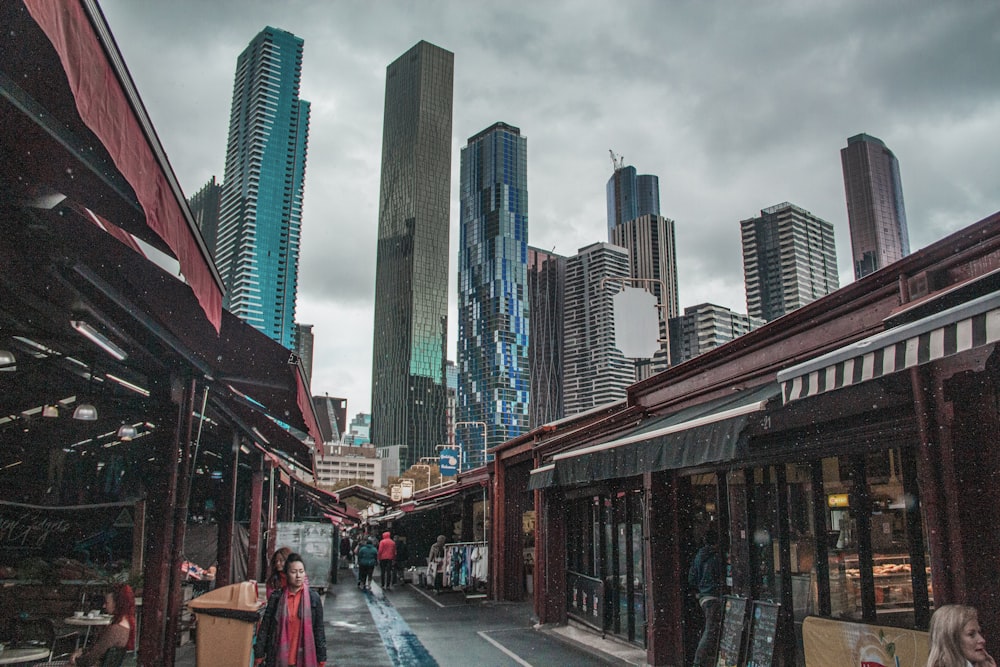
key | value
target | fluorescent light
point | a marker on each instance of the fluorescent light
(99, 339)
(128, 385)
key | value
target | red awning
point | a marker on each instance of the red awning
(120, 123)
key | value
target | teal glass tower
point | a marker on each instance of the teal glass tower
(409, 391)
(260, 217)
(493, 387)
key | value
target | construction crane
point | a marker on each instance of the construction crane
(617, 160)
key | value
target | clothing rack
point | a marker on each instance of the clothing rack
(465, 565)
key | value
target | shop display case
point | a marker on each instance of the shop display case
(893, 584)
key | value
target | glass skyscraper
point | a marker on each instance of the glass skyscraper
(260, 218)
(546, 294)
(631, 195)
(409, 397)
(875, 208)
(494, 379)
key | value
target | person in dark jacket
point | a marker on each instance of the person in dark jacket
(291, 631)
(367, 557)
(704, 579)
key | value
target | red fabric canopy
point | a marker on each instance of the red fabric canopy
(104, 107)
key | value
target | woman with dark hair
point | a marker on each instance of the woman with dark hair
(956, 639)
(276, 577)
(120, 603)
(291, 631)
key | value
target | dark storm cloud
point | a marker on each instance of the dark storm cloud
(735, 106)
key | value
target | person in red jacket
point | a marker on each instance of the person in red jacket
(386, 559)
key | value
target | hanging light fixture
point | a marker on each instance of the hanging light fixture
(85, 412)
(126, 432)
(50, 411)
(8, 362)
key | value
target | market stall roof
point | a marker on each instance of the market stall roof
(364, 493)
(712, 432)
(962, 327)
(473, 479)
(74, 127)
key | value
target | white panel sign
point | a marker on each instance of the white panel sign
(637, 323)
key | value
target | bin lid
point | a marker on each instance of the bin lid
(238, 597)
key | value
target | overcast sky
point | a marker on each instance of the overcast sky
(736, 106)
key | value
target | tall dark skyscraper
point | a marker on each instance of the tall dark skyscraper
(875, 208)
(631, 195)
(204, 206)
(409, 398)
(493, 328)
(789, 260)
(546, 294)
(260, 219)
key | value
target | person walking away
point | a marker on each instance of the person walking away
(367, 557)
(703, 579)
(956, 639)
(386, 559)
(435, 562)
(345, 551)
(402, 555)
(291, 631)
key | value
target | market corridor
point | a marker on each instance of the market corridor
(411, 627)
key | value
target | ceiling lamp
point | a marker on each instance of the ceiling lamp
(8, 362)
(85, 412)
(50, 411)
(99, 339)
(126, 432)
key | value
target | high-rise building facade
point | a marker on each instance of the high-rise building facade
(631, 195)
(260, 218)
(875, 210)
(331, 416)
(411, 271)
(546, 293)
(652, 250)
(304, 344)
(789, 260)
(704, 327)
(493, 322)
(204, 206)
(595, 371)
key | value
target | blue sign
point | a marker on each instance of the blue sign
(448, 463)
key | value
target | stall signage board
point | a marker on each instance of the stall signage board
(763, 633)
(734, 616)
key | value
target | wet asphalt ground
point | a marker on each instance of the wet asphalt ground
(409, 626)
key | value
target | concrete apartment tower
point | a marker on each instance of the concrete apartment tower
(493, 322)
(411, 272)
(875, 207)
(789, 260)
(260, 218)
(595, 371)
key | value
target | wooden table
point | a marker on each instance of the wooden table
(10, 656)
(88, 622)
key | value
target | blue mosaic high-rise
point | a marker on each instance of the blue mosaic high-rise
(260, 218)
(493, 386)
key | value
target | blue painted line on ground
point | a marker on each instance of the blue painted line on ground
(403, 647)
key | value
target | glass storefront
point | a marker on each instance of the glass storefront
(606, 585)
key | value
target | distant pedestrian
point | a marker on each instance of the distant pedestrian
(345, 551)
(386, 559)
(402, 556)
(367, 557)
(276, 577)
(435, 562)
(704, 580)
(292, 631)
(956, 639)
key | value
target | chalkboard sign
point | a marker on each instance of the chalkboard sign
(734, 615)
(763, 634)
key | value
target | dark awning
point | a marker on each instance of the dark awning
(960, 328)
(699, 435)
(542, 477)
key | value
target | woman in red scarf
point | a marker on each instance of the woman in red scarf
(291, 633)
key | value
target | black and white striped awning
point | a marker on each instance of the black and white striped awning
(963, 327)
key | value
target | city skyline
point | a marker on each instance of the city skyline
(704, 116)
